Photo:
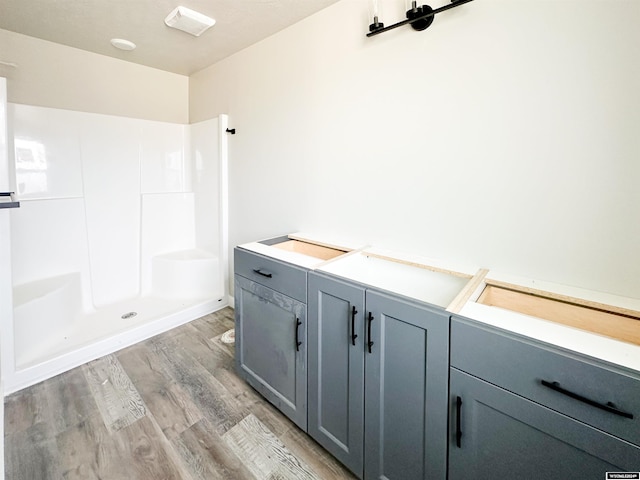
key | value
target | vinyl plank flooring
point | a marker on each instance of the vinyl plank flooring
(216, 323)
(138, 451)
(206, 352)
(150, 452)
(117, 398)
(26, 408)
(209, 395)
(207, 456)
(263, 453)
(88, 450)
(30, 448)
(261, 408)
(82, 473)
(225, 347)
(306, 449)
(170, 407)
(32, 454)
(69, 399)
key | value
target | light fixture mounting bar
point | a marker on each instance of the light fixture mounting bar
(454, 3)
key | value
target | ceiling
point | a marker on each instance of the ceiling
(91, 24)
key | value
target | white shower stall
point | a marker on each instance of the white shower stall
(120, 234)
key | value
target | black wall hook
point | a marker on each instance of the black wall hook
(232, 131)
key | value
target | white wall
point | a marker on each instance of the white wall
(506, 135)
(53, 75)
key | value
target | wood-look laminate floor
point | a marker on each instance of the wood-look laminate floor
(170, 407)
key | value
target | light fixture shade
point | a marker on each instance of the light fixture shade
(123, 44)
(189, 21)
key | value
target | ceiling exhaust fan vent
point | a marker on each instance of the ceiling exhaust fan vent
(189, 21)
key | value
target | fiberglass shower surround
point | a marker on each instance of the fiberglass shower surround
(118, 236)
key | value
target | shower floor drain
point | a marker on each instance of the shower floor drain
(129, 315)
(229, 336)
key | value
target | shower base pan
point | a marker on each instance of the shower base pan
(53, 334)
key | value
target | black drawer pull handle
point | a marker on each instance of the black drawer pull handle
(260, 272)
(609, 407)
(458, 424)
(353, 325)
(298, 342)
(370, 342)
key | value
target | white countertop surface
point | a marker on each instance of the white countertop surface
(397, 276)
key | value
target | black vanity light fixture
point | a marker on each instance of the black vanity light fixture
(420, 18)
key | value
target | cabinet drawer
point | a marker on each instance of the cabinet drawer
(595, 393)
(284, 278)
(498, 435)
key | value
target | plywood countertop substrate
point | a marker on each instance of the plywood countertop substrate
(621, 326)
(310, 249)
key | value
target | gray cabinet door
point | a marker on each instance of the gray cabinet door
(406, 380)
(497, 434)
(271, 346)
(336, 369)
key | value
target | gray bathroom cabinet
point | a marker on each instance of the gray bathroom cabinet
(378, 374)
(520, 409)
(271, 331)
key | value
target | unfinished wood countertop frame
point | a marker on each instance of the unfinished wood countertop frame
(597, 324)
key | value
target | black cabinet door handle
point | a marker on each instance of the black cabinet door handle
(298, 342)
(354, 312)
(458, 424)
(609, 407)
(370, 342)
(260, 272)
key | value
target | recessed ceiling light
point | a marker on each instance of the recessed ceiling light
(189, 21)
(123, 44)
